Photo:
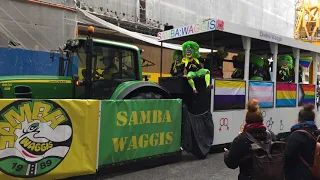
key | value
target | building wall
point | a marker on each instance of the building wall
(276, 16)
(34, 26)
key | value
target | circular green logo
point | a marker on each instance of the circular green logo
(35, 137)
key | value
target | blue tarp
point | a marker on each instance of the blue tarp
(28, 62)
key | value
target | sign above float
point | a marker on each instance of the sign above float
(205, 26)
(270, 37)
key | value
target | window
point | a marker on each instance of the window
(110, 62)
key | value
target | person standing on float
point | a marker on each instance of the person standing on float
(192, 64)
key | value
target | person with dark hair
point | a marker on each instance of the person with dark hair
(240, 153)
(301, 145)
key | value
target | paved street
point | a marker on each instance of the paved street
(211, 168)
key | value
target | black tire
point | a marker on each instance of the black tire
(147, 95)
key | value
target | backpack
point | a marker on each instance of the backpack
(315, 169)
(268, 158)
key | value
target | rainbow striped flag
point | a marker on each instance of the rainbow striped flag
(305, 61)
(263, 92)
(306, 94)
(229, 94)
(286, 95)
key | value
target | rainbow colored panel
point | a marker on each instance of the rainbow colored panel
(286, 95)
(305, 61)
(307, 94)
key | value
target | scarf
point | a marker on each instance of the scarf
(187, 60)
(252, 126)
(304, 125)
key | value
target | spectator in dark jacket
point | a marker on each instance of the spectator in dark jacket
(240, 152)
(301, 143)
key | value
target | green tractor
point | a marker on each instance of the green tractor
(111, 70)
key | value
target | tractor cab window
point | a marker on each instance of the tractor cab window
(109, 62)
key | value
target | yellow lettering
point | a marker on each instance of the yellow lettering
(4, 140)
(7, 130)
(7, 84)
(143, 143)
(40, 110)
(44, 147)
(157, 116)
(37, 147)
(133, 118)
(56, 118)
(25, 142)
(167, 116)
(25, 113)
(31, 146)
(154, 141)
(169, 137)
(145, 117)
(133, 143)
(50, 145)
(118, 143)
(161, 139)
(122, 118)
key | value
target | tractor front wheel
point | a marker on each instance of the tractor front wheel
(147, 95)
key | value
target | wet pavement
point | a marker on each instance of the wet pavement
(190, 168)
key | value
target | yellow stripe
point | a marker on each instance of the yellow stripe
(309, 93)
(286, 95)
(229, 84)
(38, 81)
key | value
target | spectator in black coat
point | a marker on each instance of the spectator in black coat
(240, 152)
(301, 143)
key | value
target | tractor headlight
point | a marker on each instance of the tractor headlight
(64, 46)
(74, 43)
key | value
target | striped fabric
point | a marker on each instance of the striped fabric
(229, 94)
(306, 94)
(305, 61)
(286, 95)
(263, 92)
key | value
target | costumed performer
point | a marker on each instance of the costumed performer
(177, 67)
(256, 68)
(285, 66)
(238, 64)
(192, 65)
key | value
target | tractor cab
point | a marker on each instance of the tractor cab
(109, 70)
(111, 64)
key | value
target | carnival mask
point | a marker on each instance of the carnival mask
(177, 59)
(189, 52)
(284, 63)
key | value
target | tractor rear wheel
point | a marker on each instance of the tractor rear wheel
(147, 95)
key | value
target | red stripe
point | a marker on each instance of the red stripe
(308, 87)
(27, 154)
(286, 87)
